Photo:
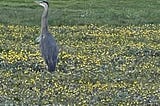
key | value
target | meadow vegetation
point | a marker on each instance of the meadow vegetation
(82, 12)
(106, 60)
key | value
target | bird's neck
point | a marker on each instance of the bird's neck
(44, 21)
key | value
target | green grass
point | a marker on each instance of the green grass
(109, 53)
(80, 12)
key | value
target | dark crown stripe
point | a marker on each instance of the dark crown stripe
(46, 2)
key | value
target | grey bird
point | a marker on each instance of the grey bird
(48, 45)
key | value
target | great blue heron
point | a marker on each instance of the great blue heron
(48, 46)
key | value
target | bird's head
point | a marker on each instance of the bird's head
(43, 3)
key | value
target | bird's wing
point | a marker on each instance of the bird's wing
(38, 39)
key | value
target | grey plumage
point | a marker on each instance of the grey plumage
(48, 46)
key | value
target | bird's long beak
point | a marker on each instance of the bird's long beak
(37, 2)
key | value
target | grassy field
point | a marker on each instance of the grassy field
(109, 53)
(82, 12)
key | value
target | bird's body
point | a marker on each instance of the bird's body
(49, 51)
(48, 46)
